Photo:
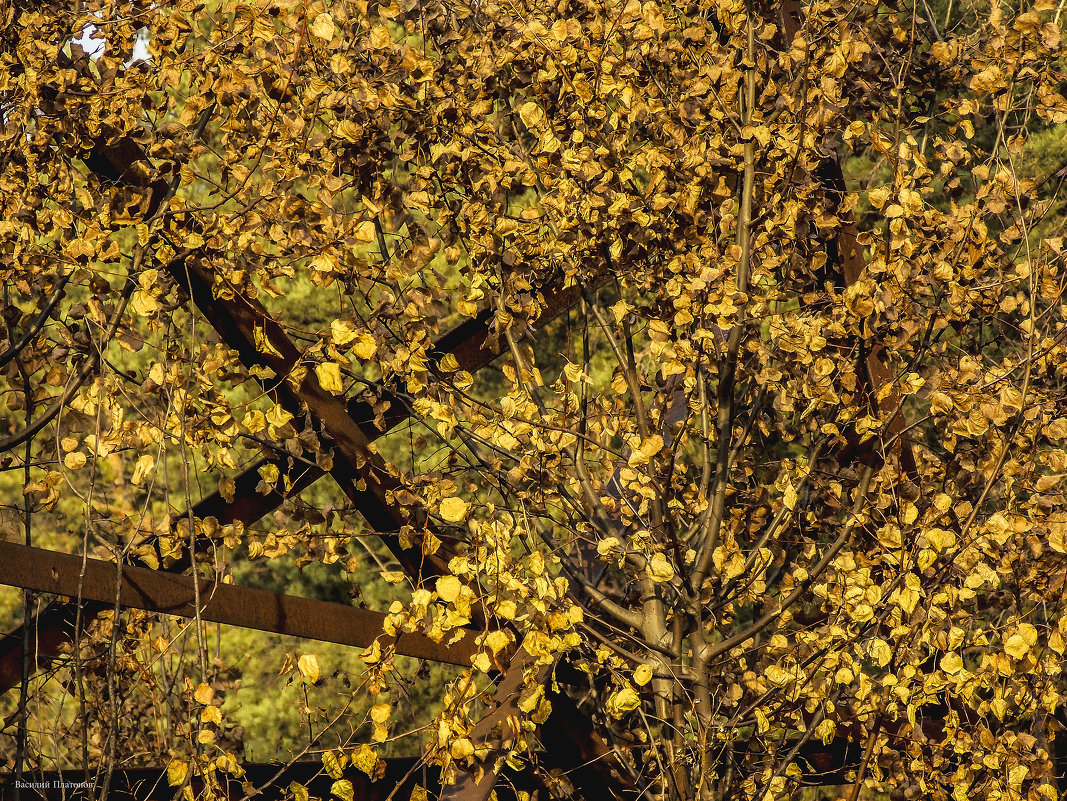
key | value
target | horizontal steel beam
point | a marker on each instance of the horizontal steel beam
(172, 594)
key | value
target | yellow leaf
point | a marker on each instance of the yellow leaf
(1057, 532)
(461, 748)
(308, 665)
(825, 731)
(454, 510)
(334, 764)
(342, 788)
(74, 460)
(531, 699)
(347, 130)
(622, 701)
(380, 38)
(909, 514)
(366, 759)
(211, 714)
(790, 498)
(372, 654)
(763, 725)
(322, 27)
(324, 263)
(176, 772)
(144, 304)
(620, 310)
(145, 465)
(448, 588)
(269, 473)
(365, 346)
(951, 663)
(329, 375)
(939, 538)
(204, 694)
(379, 713)
(365, 231)
(987, 80)
(878, 196)
(608, 546)
(941, 403)
(497, 640)
(573, 372)
(778, 676)
(1017, 775)
(277, 416)
(1019, 644)
(342, 332)
(651, 446)
(263, 343)
(299, 791)
(642, 675)
(531, 114)
(880, 652)
(659, 568)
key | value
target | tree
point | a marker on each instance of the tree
(781, 493)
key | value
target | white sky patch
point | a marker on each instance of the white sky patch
(90, 46)
(95, 46)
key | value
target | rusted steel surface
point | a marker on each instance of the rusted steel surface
(493, 730)
(570, 743)
(52, 630)
(242, 323)
(172, 594)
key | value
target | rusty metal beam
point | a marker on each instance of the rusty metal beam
(172, 594)
(492, 730)
(571, 743)
(51, 631)
(365, 478)
(822, 766)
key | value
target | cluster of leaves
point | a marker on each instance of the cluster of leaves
(790, 478)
